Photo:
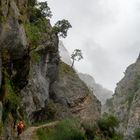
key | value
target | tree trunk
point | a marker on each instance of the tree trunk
(72, 64)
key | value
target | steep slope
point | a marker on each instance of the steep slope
(73, 97)
(101, 93)
(125, 103)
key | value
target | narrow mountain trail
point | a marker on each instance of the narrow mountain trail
(27, 134)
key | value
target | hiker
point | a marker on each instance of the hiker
(20, 127)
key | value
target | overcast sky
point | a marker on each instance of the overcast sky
(107, 31)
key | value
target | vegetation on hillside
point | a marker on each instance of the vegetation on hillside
(65, 130)
(105, 129)
(66, 69)
(137, 134)
(39, 16)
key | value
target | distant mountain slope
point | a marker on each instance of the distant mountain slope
(101, 93)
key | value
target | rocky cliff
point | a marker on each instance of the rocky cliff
(34, 85)
(125, 103)
(73, 97)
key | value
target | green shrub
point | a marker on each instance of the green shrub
(108, 123)
(137, 134)
(51, 110)
(65, 130)
(66, 69)
(107, 126)
(41, 134)
(10, 96)
(90, 130)
(35, 56)
(33, 33)
(11, 100)
(68, 130)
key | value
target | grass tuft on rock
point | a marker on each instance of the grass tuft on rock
(66, 69)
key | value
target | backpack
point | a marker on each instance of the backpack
(20, 126)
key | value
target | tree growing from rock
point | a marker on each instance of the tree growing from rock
(76, 56)
(32, 2)
(61, 28)
(44, 9)
(38, 11)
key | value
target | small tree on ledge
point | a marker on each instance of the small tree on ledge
(76, 56)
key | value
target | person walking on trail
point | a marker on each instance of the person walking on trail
(20, 127)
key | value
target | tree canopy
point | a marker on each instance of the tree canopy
(61, 27)
(76, 56)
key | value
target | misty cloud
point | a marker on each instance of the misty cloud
(107, 32)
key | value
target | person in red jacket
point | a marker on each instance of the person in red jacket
(20, 127)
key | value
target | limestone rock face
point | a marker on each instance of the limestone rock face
(43, 72)
(31, 71)
(8, 132)
(125, 103)
(73, 96)
(12, 33)
(13, 60)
